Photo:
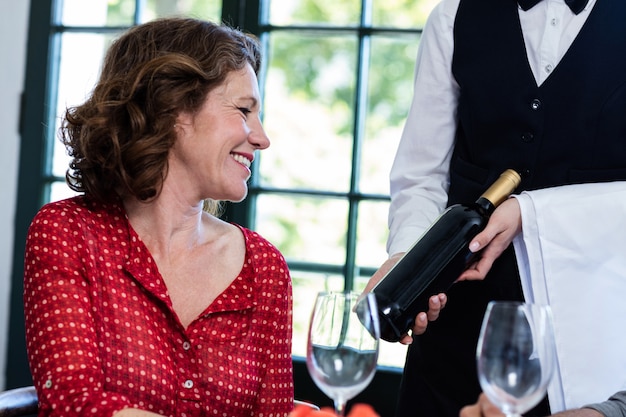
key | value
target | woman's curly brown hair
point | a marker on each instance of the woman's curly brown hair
(120, 137)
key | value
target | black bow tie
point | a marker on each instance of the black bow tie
(577, 6)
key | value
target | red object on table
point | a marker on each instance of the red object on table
(357, 410)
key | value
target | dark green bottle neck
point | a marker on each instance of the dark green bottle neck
(485, 206)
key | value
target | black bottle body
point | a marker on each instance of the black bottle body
(430, 267)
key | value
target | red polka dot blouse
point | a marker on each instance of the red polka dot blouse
(102, 334)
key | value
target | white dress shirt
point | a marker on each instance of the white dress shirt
(419, 176)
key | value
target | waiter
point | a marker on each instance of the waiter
(537, 86)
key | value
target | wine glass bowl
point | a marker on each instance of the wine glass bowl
(343, 344)
(515, 355)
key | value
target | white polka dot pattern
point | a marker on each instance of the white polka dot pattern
(102, 335)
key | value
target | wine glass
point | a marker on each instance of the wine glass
(342, 348)
(515, 355)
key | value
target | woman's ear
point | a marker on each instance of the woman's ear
(183, 121)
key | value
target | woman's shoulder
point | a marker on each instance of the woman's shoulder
(77, 208)
(257, 244)
(253, 238)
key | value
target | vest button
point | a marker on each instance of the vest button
(527, 137)
(535, 104)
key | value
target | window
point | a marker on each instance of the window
(336, 82)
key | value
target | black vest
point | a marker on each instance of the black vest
(571, 129)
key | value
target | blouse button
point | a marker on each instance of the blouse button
(48, 383)
(188, 384)
(186, 345)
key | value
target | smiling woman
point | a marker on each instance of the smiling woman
(159, 308)
(331, 229)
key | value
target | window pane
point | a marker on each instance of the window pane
(390, 87)
(402, 13)
(122, 12)
(309, 94)
(372, 233)
(98, 12)
(202, 9)
(300, 12)
(59, 191)
(60, 159)
(79, 67)
(305, 286)
(392, 354)
(303, 228)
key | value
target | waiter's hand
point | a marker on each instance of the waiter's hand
(435, 303)
(382, 271)
(505, 223)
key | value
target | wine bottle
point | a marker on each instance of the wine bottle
(436, 259)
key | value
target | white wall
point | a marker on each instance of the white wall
(13, 34)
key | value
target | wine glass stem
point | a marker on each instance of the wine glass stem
(340, 408)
